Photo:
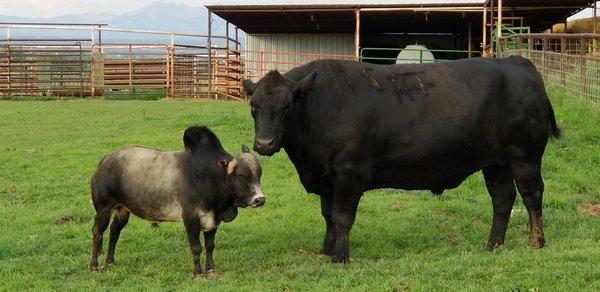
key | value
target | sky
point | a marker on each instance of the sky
(51, 8)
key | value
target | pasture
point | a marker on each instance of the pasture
(400, 241)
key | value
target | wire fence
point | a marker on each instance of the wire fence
(569, 62)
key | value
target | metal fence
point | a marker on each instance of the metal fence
(89, 67)
(569, 62)
(48, 68)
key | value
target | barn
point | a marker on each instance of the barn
(285, 35)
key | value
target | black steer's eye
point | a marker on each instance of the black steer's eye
(286, 109)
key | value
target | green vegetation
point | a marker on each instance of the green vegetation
(401, 240)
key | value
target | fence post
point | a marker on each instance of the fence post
(519, 45)
(168, 73)
(93, 72)
(262, 64)
(130, 69)
(582, 63)
(544, 57)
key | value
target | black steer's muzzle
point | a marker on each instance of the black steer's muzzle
(265, 146)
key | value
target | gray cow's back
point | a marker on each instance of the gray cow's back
(150, 181)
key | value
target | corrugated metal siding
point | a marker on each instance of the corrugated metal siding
(280, 48)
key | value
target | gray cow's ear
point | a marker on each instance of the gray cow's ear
(249, 86)
(245, 149)
(306, 83)
(222, 163)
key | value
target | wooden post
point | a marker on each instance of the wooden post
(582, 65)
(357, 34)
(544, 57)
(209, 52)
(469, 40)
(492, 28)
(594, 24)
(484, 33)
(499, 26)
(563, 51)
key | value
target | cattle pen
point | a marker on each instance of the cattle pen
(212, 66)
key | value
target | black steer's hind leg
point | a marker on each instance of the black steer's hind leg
(119, 221)
(329, 240)
(192, 228)
(100, 224)
(529, 183)
(501, 187)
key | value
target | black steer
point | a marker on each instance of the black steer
(349, 127)
(201, 186)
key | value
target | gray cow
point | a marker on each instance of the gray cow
(201, 186)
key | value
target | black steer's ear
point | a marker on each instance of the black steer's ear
(306, 83)
(245, 149)
(249, 86)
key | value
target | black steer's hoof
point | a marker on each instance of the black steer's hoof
(94, 269)
(340, 259)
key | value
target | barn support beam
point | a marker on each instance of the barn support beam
(470, 40)
(492, 6)
(499, 27)
(484, 33)
(357, 34)
(209, 51)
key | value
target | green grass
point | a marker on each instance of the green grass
(401, 240)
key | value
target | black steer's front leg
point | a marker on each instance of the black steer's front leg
(209, 244)
(326, 210)
(345, 202)
(192, 228)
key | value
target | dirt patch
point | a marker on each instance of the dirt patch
(591, 209)
(64, 219)
(68, 218)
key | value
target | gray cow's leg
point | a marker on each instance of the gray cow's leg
(529, 182)
(192, 228)
(100, 224)
(119, 221)
(209, 244)
(326, 210)
(501, 187)
(346, 196)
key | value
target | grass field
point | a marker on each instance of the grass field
(401, 240)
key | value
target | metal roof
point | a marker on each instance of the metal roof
(278, 3)
(381, 16)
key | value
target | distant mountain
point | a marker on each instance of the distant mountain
(156, 16)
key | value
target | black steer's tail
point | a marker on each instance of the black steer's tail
(556, 132)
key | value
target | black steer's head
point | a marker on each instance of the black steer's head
(271, 102)
(244, 173)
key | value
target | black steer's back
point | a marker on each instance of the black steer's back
(350, 126)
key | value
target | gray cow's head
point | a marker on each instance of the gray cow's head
(271, 102)
(244, 173)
